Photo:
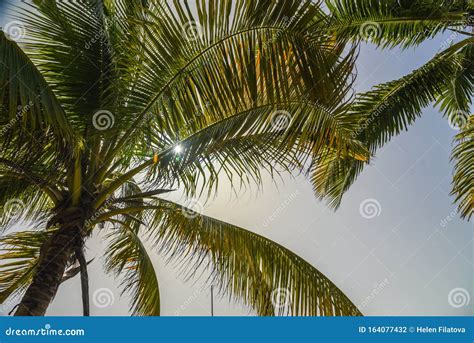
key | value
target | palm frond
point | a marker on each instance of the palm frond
(386, 111)
(245, 266)
(391, 22)
(19, 253)
(127, 258)
(27, 102)
(463, 179)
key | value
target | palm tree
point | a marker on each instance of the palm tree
(390, 108)
(109, 105)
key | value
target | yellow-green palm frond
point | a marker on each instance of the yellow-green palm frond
(243, 265)
(127, 257)
(390, 23)
(463, 179)
(388, 110)
(19, 254)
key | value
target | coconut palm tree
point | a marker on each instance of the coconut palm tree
(390, 108)
(109, 105)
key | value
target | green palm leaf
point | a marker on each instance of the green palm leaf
(390, 23)
(126, 257)
(244, 265)
(19, 256)
(388, 110)
(463, 181)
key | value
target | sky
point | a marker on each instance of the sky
(413, 257)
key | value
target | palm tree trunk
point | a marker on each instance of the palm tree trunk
(54, 257)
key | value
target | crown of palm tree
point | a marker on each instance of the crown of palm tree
(123, 101)
(110, 104)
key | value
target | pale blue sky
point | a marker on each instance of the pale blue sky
(402, 262)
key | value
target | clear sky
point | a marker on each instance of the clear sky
(404, 261)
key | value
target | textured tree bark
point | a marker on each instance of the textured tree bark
(54, 257)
